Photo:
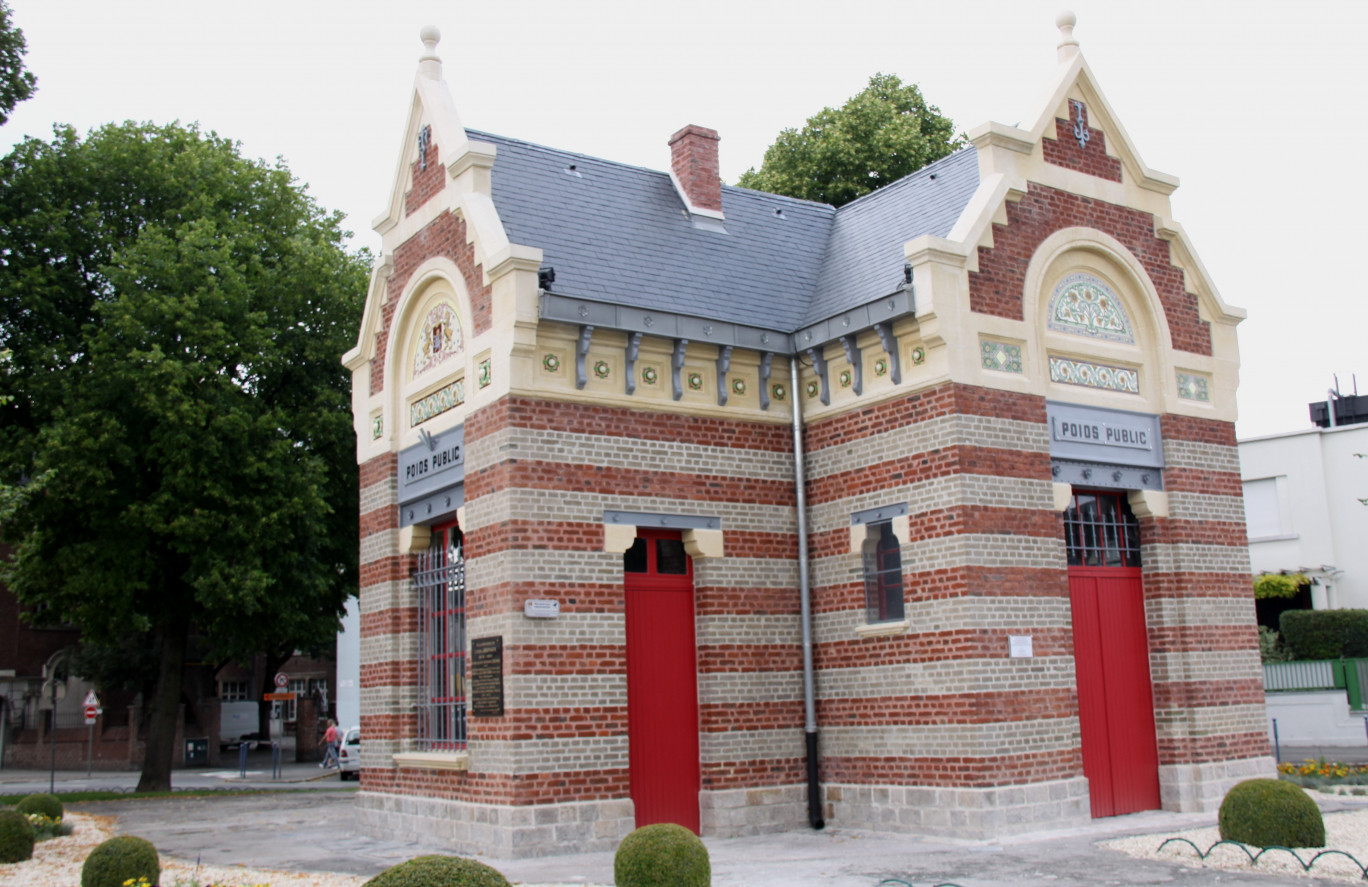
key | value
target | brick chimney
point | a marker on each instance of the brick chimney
(693, 166)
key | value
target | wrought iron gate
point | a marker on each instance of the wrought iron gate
(439, 581)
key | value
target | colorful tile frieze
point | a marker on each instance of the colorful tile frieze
(1085, 306)
(1094, 375)
(437, 402)
(1194, 387)
(1002, 356)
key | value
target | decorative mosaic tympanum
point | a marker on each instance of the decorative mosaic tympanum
(1094, 375)
(650, 375)
(438, 402)
(1002, 356)
(486, 373)
(551, 363)
(1194, 387)
(1085, 306)
(439, 339)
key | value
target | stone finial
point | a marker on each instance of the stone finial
(430, 63)
(1068, 46)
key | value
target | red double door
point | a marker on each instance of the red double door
(662, 685)
(1115, 702)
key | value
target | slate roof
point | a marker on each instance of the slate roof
(620, 234)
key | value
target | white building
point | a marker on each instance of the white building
(1303, 508)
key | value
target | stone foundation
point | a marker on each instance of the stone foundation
(496, 830)
(752, 811)
(968, 813)
(1200, 788)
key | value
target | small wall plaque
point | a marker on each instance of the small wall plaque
(486, 677)
(541, 609)
(1019, 646)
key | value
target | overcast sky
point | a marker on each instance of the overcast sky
(1257, 107)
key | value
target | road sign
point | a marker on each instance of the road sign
(92, 700)
(282, 680)
(278, 697)
(90, 713)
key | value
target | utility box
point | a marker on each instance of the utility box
(196, 752)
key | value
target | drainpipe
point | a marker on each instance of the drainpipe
(814, 789)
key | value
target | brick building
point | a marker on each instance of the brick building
(687, 502)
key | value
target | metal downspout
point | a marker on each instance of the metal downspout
(814, 792)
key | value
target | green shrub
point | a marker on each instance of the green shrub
(1269, 812)
(121, 859)
(662, 855)
(438, 871)
(1325, 634)
(1271, 646)
(16, 837)
(48, 805)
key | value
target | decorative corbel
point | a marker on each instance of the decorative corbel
(890, 347)
(633, 349)
(681, 348)
(581, 351)
(766, 359)
(853, 355)
(723, 364)
(819, 366)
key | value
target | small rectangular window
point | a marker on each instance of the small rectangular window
(882, 555)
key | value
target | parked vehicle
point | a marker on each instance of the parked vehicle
(238, 724)
(349, 754)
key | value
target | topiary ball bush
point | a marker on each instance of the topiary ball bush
(46, 804)
(662, 855)
(121, 859)
(438, 871)
(16, 837)
(1271, 812)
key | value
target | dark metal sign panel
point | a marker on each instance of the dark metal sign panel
(431, 476)
(486, 677)
(1103, 436)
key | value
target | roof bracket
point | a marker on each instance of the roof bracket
(819, 366)
(633, 349)
(723, 364)
(852, 351)
(581, 350)
(681, 348)
(766, 359)
(890, 347)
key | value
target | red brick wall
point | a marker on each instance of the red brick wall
(426, 182)
(997, 287)
(1064, 150)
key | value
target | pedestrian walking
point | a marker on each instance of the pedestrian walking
(330, 739)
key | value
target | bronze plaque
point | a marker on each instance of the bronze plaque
(486, 677)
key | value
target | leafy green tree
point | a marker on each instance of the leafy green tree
(175, 315)
(878, 136)
(16, 83)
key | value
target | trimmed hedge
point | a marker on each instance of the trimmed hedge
(1269, 813)
(121, 859)
(16, 837)
(1325, 634)
(439, 871)
(662, 855)
(46, 804)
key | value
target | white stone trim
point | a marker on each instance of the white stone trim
(433, 760)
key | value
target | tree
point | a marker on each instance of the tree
(16, 83)
(880, 135)
(175, 315)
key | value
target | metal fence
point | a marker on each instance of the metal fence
(440, 584)
(1349, 675)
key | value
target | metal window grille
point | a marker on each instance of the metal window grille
(440, 584)
(1101, 531)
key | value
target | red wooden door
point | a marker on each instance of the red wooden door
(662, 685)
(1111, 656)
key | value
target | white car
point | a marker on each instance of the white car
(349, 754)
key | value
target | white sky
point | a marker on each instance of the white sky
(1254, 105)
